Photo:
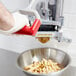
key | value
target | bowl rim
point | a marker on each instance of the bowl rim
(51, 73)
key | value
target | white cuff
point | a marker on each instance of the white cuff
(20, 22)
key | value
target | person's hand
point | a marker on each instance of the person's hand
(6, 18)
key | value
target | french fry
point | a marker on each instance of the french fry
(43, 66)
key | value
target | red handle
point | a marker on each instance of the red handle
(26, 30)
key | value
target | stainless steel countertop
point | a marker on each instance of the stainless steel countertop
(8, 65)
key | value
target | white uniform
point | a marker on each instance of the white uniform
(20, 21)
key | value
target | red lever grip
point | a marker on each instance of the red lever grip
(26, 30)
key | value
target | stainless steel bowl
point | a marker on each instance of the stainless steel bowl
(37, 54)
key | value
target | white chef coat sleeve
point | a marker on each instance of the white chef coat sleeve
(20, 21)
